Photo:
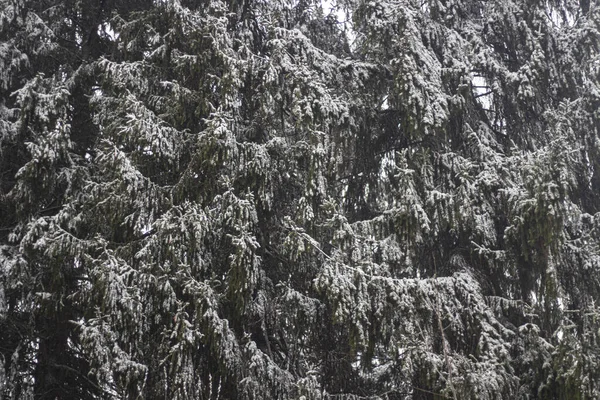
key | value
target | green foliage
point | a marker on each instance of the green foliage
(298, 199)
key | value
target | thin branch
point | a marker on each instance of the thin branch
(73, 370)
(444, 342)
(483, 94)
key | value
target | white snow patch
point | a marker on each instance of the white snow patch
(105, 28)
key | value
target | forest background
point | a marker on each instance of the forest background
(249, 199)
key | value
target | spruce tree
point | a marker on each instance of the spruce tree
(209, 199)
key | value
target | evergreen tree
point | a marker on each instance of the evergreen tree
(295, 199)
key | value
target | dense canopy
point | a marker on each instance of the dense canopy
(297, 199)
